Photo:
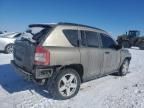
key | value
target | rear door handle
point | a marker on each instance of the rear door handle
(107, 52)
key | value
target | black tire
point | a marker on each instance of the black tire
(55, 90)
(9, 49)
(121, 71)
(126, 44)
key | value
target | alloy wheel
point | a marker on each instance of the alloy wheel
(67, 85)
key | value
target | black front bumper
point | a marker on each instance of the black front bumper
(37, 73)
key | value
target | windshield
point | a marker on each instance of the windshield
(9, 35)
(134, 33)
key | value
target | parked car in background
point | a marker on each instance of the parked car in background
(7, 40)
(64, 55)
(6, 33)
(3, 32)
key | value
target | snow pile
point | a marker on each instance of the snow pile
(107, 92)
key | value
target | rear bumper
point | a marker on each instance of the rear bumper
(37, 73)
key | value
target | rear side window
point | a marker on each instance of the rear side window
(107, 41)
(72, 36)
(92, 39)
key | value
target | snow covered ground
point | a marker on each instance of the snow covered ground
(107, 92)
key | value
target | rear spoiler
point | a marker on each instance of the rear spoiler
(42, 25)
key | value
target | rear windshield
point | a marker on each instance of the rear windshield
(39, 33)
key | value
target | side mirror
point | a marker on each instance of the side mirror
(117, 47)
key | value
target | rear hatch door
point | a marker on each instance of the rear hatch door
(24, 48)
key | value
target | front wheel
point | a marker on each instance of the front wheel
(9, 49)
(67, 84)
(124, 68)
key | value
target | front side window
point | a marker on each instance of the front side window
(92, 39)
(72, 36)
(107, 41)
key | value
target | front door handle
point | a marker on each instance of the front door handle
(107, 52)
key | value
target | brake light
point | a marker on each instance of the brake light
(42, 56)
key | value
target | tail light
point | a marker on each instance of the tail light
(42, 56)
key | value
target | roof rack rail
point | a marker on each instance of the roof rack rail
(74, 24)
(63, 23)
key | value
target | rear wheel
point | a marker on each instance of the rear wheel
(124, 68)
(66, 84)
(9, 49)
